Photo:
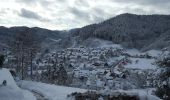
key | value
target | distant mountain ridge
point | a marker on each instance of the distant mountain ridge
(143, 32)
(45, 36)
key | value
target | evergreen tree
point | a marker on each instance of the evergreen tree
(102, 57)
(62, 75)
(163, 88)
(2, 59)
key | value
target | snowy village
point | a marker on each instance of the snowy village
(84, 50)
(104, 71)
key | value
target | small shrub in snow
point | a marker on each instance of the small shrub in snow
(4, 83)
(90, 95)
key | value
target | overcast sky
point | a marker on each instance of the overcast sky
(67, 14)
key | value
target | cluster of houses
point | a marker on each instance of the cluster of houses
(93, 68)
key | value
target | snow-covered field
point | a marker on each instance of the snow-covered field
(50, 92)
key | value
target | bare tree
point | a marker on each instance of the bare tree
(24, 48)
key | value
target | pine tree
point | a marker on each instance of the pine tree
(62, 75)
(163, 88)
(102, 57)
(2, 59)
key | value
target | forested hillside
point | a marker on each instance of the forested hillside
(138, 31)
(143, 32)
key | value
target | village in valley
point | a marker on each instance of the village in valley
(102, 70)
(97, 68)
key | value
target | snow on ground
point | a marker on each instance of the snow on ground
(55, 40)
(154, 53)
(51, 92)
(6, 75)
(100, 43)
(107, 44)
(11, 91)
(141, 63)
(133, 52)
(114, 59)
(145, 95)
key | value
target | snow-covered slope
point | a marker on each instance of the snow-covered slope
(11, 91)
(6, 75)
(51, 92)
(141, 63)
(154, 53)
(133, 52)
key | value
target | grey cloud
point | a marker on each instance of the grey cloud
(3, 12)
(6, 11)
(61, 0)
(99, 11)
(80, 14)
(32, 2)
(43, 3)
(97, 19)
(31, 15)
(93, 15)
(99, 15)
(144, 1)
(161, 5)
(61, 12)
(83, 3)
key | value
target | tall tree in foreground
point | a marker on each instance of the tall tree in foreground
(24, 48)
(163, 87)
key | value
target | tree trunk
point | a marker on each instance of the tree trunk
(31, 66)
(22, 66)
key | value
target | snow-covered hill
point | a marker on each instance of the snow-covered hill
(49, 92)
(141, 63)
(11, 91)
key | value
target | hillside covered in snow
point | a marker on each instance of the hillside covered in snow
(10, 90)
